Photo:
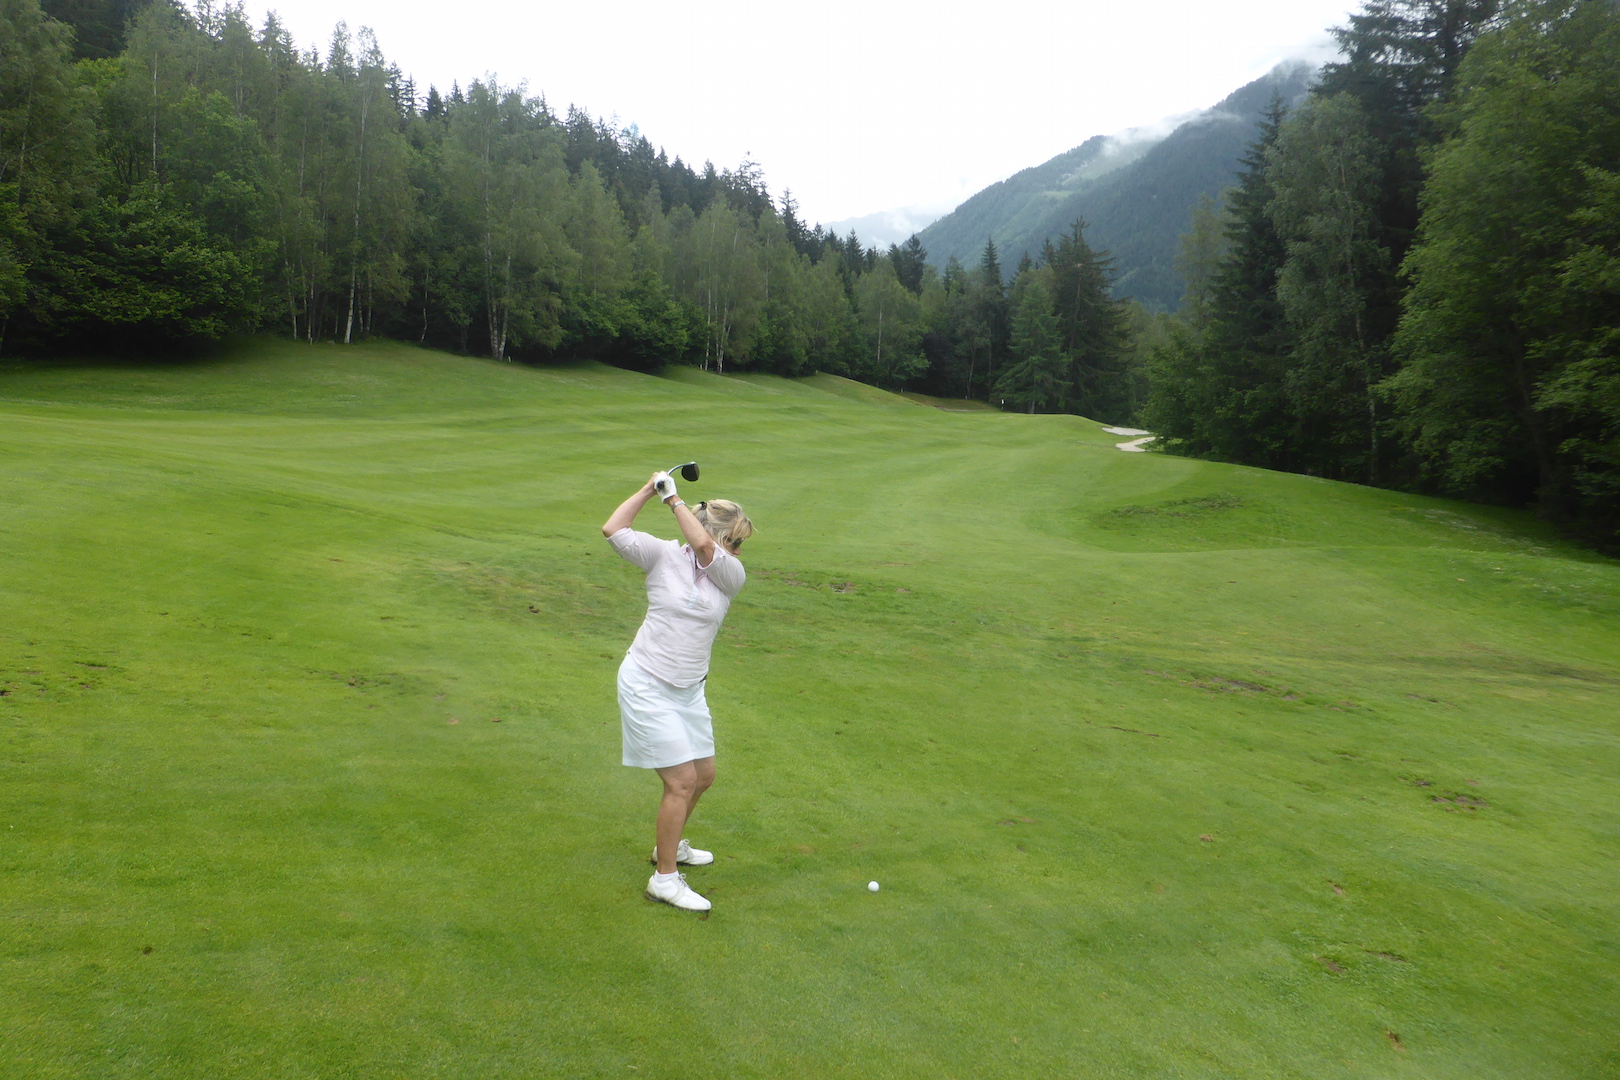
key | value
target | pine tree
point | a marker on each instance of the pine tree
(910, 260)
(990, 263)
(1036, 378)
(990, 309)
(99, 26)
(1402, 56)
(797, 235)
(1324, 172)
(854, 254)
(1220, 393)
(1091, 325)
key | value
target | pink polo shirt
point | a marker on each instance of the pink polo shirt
(685, 604)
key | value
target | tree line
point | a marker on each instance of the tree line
(1413, 282)
(170, 172)
(1416, 280)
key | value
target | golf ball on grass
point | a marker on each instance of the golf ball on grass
(871, 886)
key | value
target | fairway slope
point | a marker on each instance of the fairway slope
(1165, 767)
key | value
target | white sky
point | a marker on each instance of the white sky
(856, 105)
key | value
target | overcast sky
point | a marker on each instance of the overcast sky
(858, 106)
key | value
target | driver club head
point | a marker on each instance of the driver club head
(689, 471)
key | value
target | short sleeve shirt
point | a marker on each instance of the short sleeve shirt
(685, 604)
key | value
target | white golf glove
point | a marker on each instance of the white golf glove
(665, 486)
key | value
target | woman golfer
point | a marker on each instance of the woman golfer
(666, 719)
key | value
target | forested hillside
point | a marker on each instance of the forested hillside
(1133, 196)
(170, 174)
(1416, 281)
(1411, 279)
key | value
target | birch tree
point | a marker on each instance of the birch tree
(596, 231)
(722, 277)
(891, 317)
(510, 175)
(1511, 328)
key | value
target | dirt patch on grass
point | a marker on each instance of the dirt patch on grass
(1179, 508)
(1217, 683)
(1226, 684)
(58, 678)
(1454, 801)
(363, 681)
(1127, 730)
(1337, 969)
(1447, 798)
(794, 580)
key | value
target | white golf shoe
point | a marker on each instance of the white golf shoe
(687, 855)
(676, 893)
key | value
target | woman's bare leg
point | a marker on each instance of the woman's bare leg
(684, 784)
(705, 780)
(680, 781)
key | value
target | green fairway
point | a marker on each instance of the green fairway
(1167, 768)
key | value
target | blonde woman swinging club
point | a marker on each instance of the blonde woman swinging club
(666, 722)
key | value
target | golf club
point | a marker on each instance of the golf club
(689, 471)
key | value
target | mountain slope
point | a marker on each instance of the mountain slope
(1134, 195)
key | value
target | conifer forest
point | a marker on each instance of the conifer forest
(1413, 281)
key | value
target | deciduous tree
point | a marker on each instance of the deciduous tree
(1509, 331)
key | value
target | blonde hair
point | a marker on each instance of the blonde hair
(725, 521)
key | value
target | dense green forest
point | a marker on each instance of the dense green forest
(172, 173)
(1414, 282)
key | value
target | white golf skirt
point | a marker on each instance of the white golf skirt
(664, 725)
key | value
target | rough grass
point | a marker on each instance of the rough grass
(308, 749)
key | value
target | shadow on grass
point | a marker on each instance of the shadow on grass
(136, 354)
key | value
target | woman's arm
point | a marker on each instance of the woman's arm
(625, 515)
(696, 535)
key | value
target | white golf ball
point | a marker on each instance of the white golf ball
(871, 886)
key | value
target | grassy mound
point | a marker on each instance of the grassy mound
(1166, 768)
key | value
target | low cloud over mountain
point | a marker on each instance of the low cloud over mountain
(1135, 191)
